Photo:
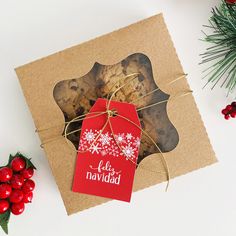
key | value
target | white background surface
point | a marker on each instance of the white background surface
(200, 203)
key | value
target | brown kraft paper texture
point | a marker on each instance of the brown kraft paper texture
(149, 37)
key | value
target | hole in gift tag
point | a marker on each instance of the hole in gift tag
(76, 96)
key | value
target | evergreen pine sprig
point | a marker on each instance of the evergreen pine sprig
(223, 49)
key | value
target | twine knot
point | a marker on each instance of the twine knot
(111, 113)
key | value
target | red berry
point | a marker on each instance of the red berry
(4, 206)
(16, 196)
(17, 181)
(17, 208)
(224, 111)
(28, 197)
(233, 114)
(229, 108)
(5, 191)
(27, 173)
(5, 174)
(230, 1)
(233, 104)
(18, 164)
(28, 186)
(227, 117)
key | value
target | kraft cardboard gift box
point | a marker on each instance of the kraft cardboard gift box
(150, 38)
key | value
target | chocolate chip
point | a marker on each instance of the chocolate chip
(80, 111)
(91, 102)
(73, 88)
(141, 78)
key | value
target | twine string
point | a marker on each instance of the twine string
(111, 113)
(158, 89)
(164, 162)
(166, 100)
(76, 119)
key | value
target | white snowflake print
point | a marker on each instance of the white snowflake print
(137, 142)
(105, 139)
(120, 138)
(129, 136)
(83, 146)
(89, 135)
(121, 144)
(128, 151)
(114, 150)
(95, 148)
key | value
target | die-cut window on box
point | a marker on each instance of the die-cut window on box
(76, 96)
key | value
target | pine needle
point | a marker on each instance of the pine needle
(223, 49)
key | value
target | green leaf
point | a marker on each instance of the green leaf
(10, 159)
(27, 160)
(29, 164)
(4, 220)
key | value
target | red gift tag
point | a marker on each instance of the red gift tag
(106, 161)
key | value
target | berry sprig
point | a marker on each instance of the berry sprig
(229, 111)
(16, 187)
